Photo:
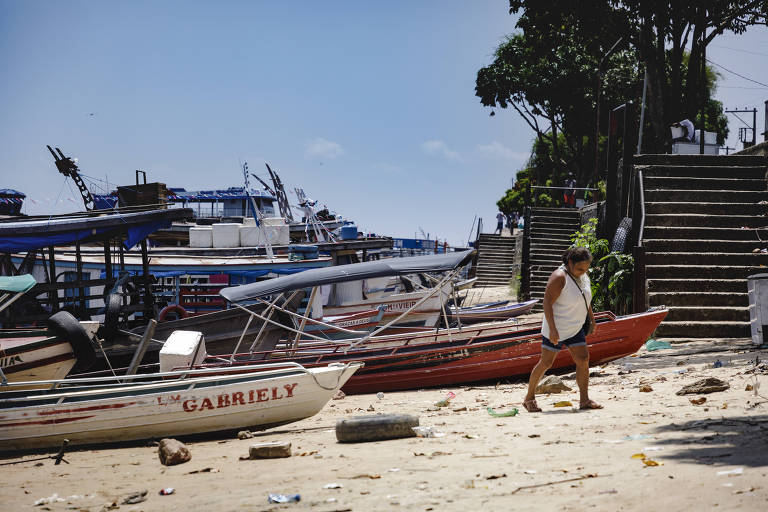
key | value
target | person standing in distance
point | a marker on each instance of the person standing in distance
(499, 223)
(566, 306)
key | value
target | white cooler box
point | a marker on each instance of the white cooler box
(182, 349)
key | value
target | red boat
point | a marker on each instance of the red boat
(440, 357)
(410, 362)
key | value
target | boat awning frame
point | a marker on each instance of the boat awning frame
(345, 273)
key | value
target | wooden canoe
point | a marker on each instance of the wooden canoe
(117, 409)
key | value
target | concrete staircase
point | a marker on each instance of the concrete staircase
(495, 260)
(698, 252)
(551, 230)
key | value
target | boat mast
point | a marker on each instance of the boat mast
(256, 212)
(282, 198)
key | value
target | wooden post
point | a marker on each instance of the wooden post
(107, 267)
(640, 295)
(141, 349)
(525, 273)
(149, 301)
(81, 290)
(53, 295)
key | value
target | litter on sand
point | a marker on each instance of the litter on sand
(505, 414)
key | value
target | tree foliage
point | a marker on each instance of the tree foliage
(547, 72)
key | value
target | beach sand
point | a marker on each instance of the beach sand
(581, 460)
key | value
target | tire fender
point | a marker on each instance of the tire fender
(112, 307)
(619, 242)
(66, 327)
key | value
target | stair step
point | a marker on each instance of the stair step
(700, 160)
(694, 171)
(707, 196)
(707, 221)
(706, 208)
(705, 233)
(708, 314)
(684, 329)
(708, 259)
(697, 285)
(700, 272)
(710, 299)
(722, 246)
(690, 183)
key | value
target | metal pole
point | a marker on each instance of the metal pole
(765, 123)
(149, 310)
(54, 293)
(642, 115)
(703, 86)
(81, 291)
(142, 348)
(754, 126)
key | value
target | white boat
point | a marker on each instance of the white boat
(424, 315)
(38, 353)
(129, 408)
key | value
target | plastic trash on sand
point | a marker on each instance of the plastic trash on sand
(283, 498)
(562, 403)
(427, 432)
(445, 401)
(506, 414)
(652, 345)
(731, 472)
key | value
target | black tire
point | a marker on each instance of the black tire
(114, 304)
(619, 242)
(66, 327)
(375, 428)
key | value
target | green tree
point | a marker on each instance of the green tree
(659, 32)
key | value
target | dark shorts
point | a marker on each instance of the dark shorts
(577, 340)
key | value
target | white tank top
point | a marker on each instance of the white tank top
(569, 310)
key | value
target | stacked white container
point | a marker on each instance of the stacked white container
(201, 236)
(226, 235)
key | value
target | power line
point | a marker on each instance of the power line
(739, 50)
(735, 73)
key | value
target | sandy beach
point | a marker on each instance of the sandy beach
(709, 456)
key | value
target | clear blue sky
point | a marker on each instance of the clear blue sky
(369, 106)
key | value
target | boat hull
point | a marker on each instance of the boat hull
(166, 407)
(476, 353)
(30, 355)
(507, 356)
(503, 312)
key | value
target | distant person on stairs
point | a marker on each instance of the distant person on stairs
(568, 320)
(569, 194)
(499, 223)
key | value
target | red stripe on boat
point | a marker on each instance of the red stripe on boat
(44, 422)
(85, 409)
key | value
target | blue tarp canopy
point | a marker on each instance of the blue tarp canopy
(35, 233)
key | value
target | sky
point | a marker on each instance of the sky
(367, 106)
